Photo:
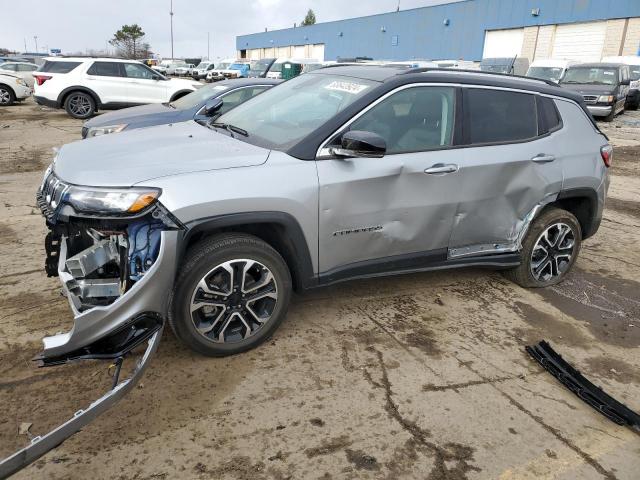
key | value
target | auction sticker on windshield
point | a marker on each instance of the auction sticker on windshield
(348, 87)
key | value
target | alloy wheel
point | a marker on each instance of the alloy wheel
(552, 253)
(5, 96)
(80, 105)
(233, 301)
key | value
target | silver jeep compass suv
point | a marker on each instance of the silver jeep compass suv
(346, 172)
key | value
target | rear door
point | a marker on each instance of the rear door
(143, 86)
(105, 78)
(511, 163)
(397, 211)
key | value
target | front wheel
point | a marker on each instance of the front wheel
(231, 294)
(80, 105)
(550, 249)
(7, 97)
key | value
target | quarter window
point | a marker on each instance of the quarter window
(494, 116)
(105, 69)
(412, 120)
(58, 67)
(548, 117)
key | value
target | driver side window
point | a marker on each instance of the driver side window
(134, 70)
(412, 120)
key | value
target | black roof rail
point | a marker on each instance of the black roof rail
(482, 72)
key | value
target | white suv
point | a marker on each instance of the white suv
(83, 85)
(12, 88)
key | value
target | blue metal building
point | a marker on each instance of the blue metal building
(447, 31)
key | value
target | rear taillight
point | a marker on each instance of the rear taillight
(40, 79)
(606, 153)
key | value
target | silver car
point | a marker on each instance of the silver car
(346, 172)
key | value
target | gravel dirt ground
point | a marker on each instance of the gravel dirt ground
(418, 376)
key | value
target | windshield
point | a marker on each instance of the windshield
(236, 66)
(223, 65)
(546, 73)
(285, 114)
(203, 65)
(591, 76)
(495, 68)
(261, 66)
(198, 97)
(276, 67)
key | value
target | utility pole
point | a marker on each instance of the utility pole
(171, 15)
(35, 38)
(25, 44)
(208, 47)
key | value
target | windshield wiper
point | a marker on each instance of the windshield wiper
(230, 128)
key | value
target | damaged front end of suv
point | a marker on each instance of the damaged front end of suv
(105, 245)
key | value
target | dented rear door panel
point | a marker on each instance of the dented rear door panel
(499, 185)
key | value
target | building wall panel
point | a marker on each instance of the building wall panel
(632, 39)
(450, 31)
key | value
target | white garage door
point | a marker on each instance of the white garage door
(298, 51)
(503, 43)
(580, 41)
(317, 52)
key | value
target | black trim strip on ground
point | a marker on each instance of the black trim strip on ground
(577, 383)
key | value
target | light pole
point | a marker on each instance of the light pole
(208, 49)
(35, 38)
(171, 15)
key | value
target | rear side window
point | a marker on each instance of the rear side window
(105, 69)
(496, 116)
(548, 116)
(58, 67)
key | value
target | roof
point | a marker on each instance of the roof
(447, 75)
(598, 65)
(88, 59)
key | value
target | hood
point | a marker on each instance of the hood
(154, 114)
(177, 83)
(127, 158)
(589, 89)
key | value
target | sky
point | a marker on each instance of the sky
(82, 25)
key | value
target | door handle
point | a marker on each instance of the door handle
(441, 168)
(542, 158)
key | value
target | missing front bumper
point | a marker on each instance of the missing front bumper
(42, 444)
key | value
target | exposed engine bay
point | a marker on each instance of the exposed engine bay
(104, 258)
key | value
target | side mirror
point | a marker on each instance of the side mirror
(358, 143)
(212, 106)
(625, 82)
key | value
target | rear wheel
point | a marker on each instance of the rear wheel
(7, 97)
(80, 105)
(550, 249)
(232, 293)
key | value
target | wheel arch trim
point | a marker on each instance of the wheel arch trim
(63, 95)
(298, 253)
(180, 93)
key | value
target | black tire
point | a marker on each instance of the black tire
(7, 96)
(611, 116)
(200, 261)
(80, 105)
(523, 274)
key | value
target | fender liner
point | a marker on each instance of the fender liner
(592, 221)
(80, 88)
(299, 256)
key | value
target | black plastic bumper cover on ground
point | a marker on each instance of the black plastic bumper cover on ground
(583, 388)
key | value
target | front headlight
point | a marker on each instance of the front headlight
(97, 131)
(114, 201)
(605, 98)
(20, 81)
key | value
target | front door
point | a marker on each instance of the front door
(386, 213)
(143, 85)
